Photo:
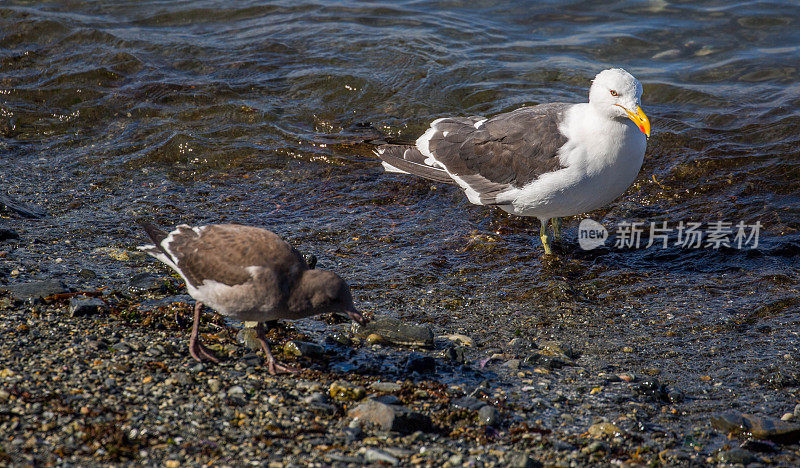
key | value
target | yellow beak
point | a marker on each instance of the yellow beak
(639, 119)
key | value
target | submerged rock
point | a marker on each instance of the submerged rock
(145, 282)
(37, 289)
(391, 417)
(420, 363)
(759, 427)
(6, 234)
(396, 332)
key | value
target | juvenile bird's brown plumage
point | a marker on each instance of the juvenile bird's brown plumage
(247, 273)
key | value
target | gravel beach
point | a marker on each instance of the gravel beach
(108, 380)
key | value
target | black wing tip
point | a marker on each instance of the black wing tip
(153, 232)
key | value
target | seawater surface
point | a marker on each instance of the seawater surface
(261, 112)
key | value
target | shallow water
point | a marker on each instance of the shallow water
(197, 112)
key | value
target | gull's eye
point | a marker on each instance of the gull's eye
(614, 93)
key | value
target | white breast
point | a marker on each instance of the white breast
(602, 158)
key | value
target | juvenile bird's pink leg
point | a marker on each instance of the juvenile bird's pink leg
(274, 366)
(196, 349)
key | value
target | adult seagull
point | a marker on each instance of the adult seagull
(545, 161)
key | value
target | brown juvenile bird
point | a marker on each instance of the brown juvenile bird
(249, 274)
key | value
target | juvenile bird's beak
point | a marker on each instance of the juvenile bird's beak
(639, 119)
(357, 317)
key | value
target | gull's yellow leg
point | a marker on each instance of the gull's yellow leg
(556, 222)
(545, 239)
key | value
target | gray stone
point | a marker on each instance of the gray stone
(522, 460)
(247, 338)
(469, 403)
(316, 397)
(87, 274)
(303, 348)
(512, 364)
(145, 282)
(391, 417)
(37, 289)
(387, 387)
(593, 447)
(396, 332)
(737, 456)
(488, 416)
(759, 427)
(82, 305)
(214, 385)
(797, 411)
(374, 456)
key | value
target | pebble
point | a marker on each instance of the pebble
(235, 390)
(82, 305)
(522, 460)
(454, 353)
(247, 337)
(387, 387)
(374, 339)
(787, 417)
(737, 456)
(797, 411)
(488, 416)
(512, 364)
(604, 429)
(758, 426)
(374, 456)
(145, 282)
(391, 417)
(559, 350)
(339, 338)
(345, 391)
(593, 447)
(627, 377)
(462, 340)
(396, 332)
(214, 385)
(316, 397)
(87, 274)
(469, 403)
(302, 348)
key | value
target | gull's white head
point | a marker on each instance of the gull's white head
(618, 94)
